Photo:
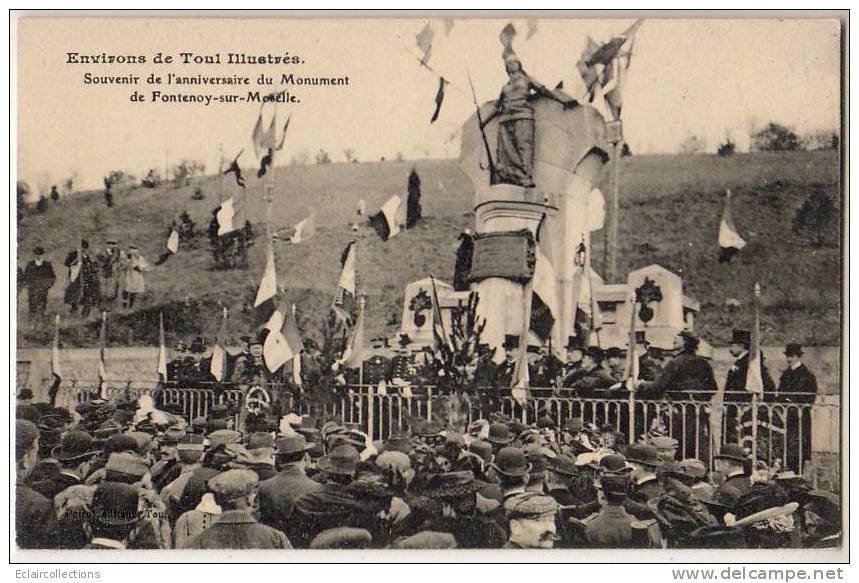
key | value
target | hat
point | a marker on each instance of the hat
(191, 442)
(563, 464)
(613, 463)
(482, 449)
(617, 484)
(573, 424)
(115, 504)
(224, 437)
(426, 540)
(499, 434)
(120, 443)
(511, 341)
(545, 422)
(793, 349)
(393, 459)
(198, 424)
(400, 443)
(260, 439)
(292, 444)
(26, 434)
(197, 346)
(38, 251)
(694, 468)
(125, 467)
(529, 505)
(732, 451)
(642, 454)
(214, 425)
(342, 537)
(451, 485)
(664, 443)
(342, 460)
(74, 445)
(234, 484)
(743, 337)
(143, 440)
(172, 436)
(511, 461)
(595, 352)
(724, 500)
(614, 352)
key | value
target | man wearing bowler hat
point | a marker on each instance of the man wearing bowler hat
(797, 384)
(114, 514)
(74, 453)
(645, 485)
(732, 462)
(277, 495)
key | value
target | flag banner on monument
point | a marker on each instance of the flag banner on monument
(754, 377)
(605, 65)
(218, 366)
(276, 349)
(102, 373)
(355, 352)
(162, 350)
(424, 42)
(173, 241)
(264, 303)
(439, 98)
(264, 140)
(304, 229)
(233, 168)
(283, 137)
(386, 222)
(587, 314)
(506, 37)
(344, 298)
(544, 293)
(438, 330)
(532, 28)
(56, 371)
(616, 72)
(730, 241)
(225, 217)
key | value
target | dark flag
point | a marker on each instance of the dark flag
(414, 212)
(234, 169)
(265, 163)
(462, 271)
(439, 98)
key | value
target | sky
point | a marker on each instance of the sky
(708, 78)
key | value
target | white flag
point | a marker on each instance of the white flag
(173, 241)
(225, 217)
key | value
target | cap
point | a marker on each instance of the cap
(234, 484)
(393, 460)
(172, 436)
(125, 467)
(529, 505)
(223, 437)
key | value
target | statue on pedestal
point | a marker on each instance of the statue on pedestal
(515, 150)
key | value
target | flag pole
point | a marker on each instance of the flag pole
(102, 393)
(55, 363)
(362, 302)
(757, 339)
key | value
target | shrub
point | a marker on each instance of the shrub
(776, 138)
(322, 157)
(817, 219)
(729, 148)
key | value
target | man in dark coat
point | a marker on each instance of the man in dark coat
(736, 380)
(236, 528)
(591, 379)
(457, 493)
(732, 461)
(38, 278)
(277, 495)
(33, 512)
(612, 527)
(83, 284)
(797, 384)
(645, 484)
(686, 373)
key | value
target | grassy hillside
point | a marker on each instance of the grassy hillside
(670, 209)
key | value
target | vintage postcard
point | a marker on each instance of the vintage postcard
(303, 282)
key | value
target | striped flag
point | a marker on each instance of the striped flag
(438, 330)
(218, 366)
(277, 349)
(730, 241)
(544, 294)
(355, 352)
(754, 377)
(616, 76)
(386, 222)
(264, 302)
(162, 350)
(605, 66)
(304, 229)
(102, 374)
(344, 299)
(56, 371)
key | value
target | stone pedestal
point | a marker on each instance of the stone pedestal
(570, 154)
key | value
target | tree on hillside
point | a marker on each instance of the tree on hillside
(727, 149)
(183, 172)
(349, 154)
(817, 219)
(776, 138)
(322, 157)
(822, 140)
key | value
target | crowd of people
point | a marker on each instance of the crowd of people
(122, 474)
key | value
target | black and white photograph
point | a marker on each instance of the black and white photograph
(495, 285)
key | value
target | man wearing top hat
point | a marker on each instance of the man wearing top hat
(797, 384)
(83, 286)
(736, 380)
(277, 495)
(38, 278)
(574, 360)
(504, 371)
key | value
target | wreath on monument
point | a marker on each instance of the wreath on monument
(420, 303)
